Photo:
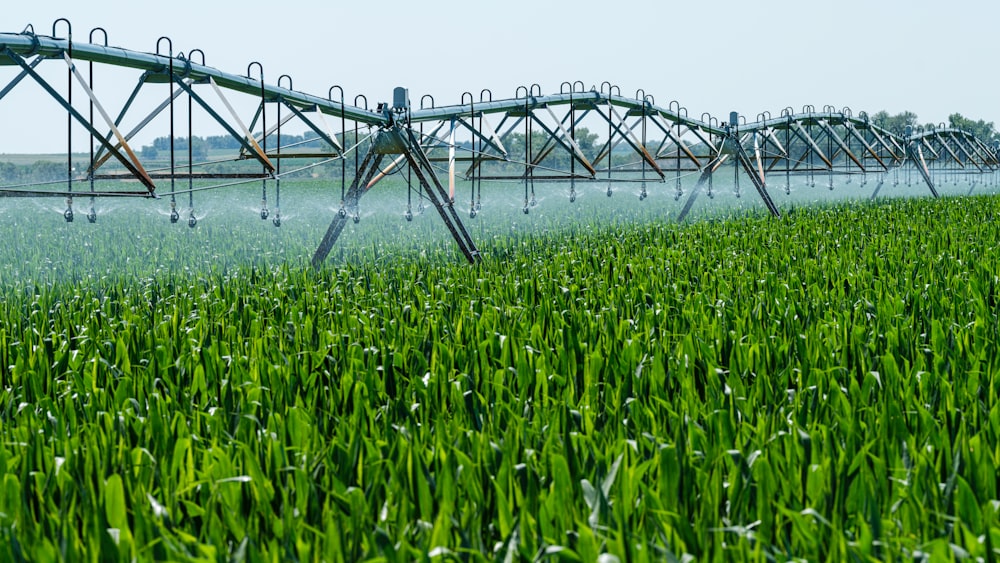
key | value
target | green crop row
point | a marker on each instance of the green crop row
(823, 386)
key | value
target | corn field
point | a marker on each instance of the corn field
(823, 386)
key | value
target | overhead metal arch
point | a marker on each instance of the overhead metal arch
(526, 138)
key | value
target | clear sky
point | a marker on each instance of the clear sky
(926, 56)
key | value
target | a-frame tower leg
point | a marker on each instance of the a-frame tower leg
(366, 172)
(917, 156)
(438, 195)
(706, 175)
(394, 140)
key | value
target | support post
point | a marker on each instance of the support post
(706, 175)
(917, 156)
(756, 178)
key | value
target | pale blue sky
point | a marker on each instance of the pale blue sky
(929, 57)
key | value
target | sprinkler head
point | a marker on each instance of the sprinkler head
(526, 209)
(264, 213)
(572, 197)
(192, 220)
(534, 201)
(609, 191)
(276, 221)
(92, 216)
(479, 206)
(68, 214)
(357, 218)
(472, 212)
(408, 215)
(342, 212)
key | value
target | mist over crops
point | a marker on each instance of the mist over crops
(606, 382)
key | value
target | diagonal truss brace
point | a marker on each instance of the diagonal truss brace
(864, 142)
(801, 133)
(143, 175)
(626, 134)
(21, 76)
(669, 134)
(246, 139)
(137, 172)
(326, 134)
(100, 158)
(840, 143)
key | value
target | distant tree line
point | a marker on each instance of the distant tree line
(899, 122)
(38, 171)
(201, 145)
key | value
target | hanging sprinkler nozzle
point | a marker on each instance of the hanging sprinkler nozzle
(68, 214)
(174, 215)
(92, 216)
(192, 220)
(277, 217)
(263, 210)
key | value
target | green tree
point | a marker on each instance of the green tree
(982, 129)
(895, 123)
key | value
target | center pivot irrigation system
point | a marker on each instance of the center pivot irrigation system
(578, 135)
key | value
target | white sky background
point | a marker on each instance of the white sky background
(926, 56)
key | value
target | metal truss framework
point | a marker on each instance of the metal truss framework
(577, 135)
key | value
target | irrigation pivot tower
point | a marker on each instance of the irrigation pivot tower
(578, 135)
